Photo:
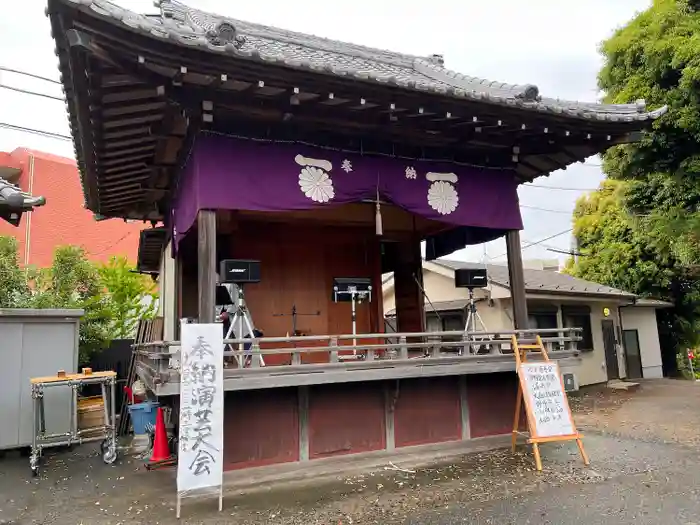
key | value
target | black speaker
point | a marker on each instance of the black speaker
(471, 278)
(239, 271)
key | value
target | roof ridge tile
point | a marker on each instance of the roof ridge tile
(190, 27)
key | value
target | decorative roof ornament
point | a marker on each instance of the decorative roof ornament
(225, 33)
(436, 59)
(14, 202)
(530, 93)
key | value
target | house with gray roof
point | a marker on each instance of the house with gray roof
(620, 337)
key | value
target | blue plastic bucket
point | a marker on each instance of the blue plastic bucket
(142, 414)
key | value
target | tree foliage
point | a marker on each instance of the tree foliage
(641, 230)
(620, 250)
(132, 296)
(111, 295)
(656, 57)
(13, 282)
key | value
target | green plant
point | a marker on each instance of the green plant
(130, 296)
(656, 57)
(112, 296)
(622, 250)
(641, 230)
(14, 290)
(684, 364)
(73, 282)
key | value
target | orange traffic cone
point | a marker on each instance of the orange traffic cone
(161, 451)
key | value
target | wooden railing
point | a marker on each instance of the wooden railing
(158, 361)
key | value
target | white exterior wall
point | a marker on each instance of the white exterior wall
(168, 298)
(389, 300)
(592, 369)
(643, 319)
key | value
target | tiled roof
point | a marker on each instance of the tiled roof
(192, 28)
(656, 303)
(542, 281)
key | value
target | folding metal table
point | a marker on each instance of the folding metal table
(107, 432)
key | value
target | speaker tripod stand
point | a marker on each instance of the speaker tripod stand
(242, 327)
(474, 323)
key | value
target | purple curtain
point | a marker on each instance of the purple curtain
(236, 174)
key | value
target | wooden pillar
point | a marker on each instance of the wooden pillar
(517, 280)
(206, 265)
(410, 312)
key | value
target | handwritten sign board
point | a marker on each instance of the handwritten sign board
(545, 400)
(201, 431)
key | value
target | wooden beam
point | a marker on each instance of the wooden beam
(114, 80)
(133, 94)
(114, 186)
(111, 124)
(119, 110)
(127, 166)
(119, 161)
(118, 144)
(125, 175)
(206, 264)
(127, 132)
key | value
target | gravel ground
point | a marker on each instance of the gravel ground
(645, 470)
(661, 410)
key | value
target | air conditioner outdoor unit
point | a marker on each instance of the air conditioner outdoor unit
(570, 382)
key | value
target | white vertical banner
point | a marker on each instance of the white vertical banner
(201, 432)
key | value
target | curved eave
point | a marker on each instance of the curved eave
(618, 122)
(452, 84)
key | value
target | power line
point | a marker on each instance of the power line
(109, 247)
(27, 74)
(545, 239)
(545, 209)
(535, 243)
(565, 252)
(35, 131)
(562, 188)
(587, 165)
(27, 92)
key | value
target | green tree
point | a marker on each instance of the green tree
(73, 282)
(13, 280)
(131, 296)
(641, 230)
(656, 57)
(621, 250)
(112, 296)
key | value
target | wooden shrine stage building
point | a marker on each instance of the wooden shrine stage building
(321, 160)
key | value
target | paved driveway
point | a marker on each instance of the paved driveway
(645, 470)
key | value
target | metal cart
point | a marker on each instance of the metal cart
(108, 435)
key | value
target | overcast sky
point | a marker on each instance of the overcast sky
(550, 43)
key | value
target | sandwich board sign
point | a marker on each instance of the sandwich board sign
(541, 389)
(201, 430)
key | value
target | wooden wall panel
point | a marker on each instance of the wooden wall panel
(261, 427)
(491, 401)
(427, 410)
(299, 263)
(346, 418)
